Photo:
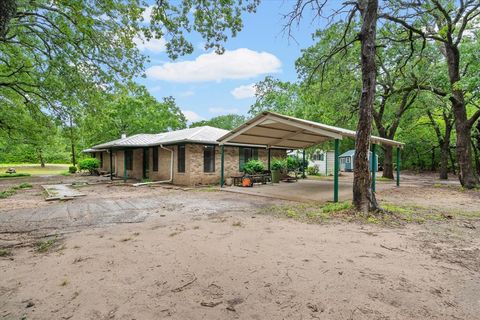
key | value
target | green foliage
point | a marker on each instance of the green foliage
(89, 164)
(131, 110)
(227, 122)
(72, 169)
(312, 171)
(254, 166)
(294, 163)
(278, 164)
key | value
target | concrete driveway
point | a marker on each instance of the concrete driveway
(305, 190)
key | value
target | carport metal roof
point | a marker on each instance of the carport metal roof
(276, 130)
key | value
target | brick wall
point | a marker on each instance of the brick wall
(194, 167)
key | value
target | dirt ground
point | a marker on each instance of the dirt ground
(153, 253)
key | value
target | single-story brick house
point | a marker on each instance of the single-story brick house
(184, 157)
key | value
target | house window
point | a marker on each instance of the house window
(247, 154)
(321, 157)
(208, 158)
(155, 159)
(181, 158)
(129, 159)
(348, 159)
(342, 160)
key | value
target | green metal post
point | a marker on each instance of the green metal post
(111, 164)
(269, 159)
(336, 168)
(374, 166)
(303, 165)
(222, 165)
(398, 167)
(125, 165)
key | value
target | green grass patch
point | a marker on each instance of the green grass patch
(309, 212)
(14, 175)
(385, 179)
(34, 169)
(393, 215)
(43, 246)
(337, 206)
(23, 185)
(5, 252)
(7, 193)
(13, 190)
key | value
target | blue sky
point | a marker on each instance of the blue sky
(206, 85)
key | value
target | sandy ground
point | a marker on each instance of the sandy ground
(150, 253)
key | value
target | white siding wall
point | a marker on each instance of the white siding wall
(325, 167)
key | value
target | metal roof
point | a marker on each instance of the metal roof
(205, 134)
(276, 130)
(351, 153)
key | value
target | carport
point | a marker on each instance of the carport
(274, 130)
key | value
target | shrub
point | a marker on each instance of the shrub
(312, 171)
(72, 169)
(89, 164)
(294, 163)
(278, 164)
(253, 166)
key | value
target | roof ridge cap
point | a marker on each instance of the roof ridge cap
(196, 132)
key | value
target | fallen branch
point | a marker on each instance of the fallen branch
(391, 249)
(179, 289)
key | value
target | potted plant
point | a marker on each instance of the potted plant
(251, 167)
(277, 166)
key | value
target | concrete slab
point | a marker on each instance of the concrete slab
(61, 191)
(304, 190)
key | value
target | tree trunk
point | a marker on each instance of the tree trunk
(388, 162)
(444, 154)
(477, 147)
(467, 176)
(363, 197)
(74, 161)
(452, 161)
(72, 138)
(42, 160)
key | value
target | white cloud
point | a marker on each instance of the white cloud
(192, 116)
(153, 45)
(223, 110)
(244, 92)
(187, 93)
(235, 64)
(147, 14)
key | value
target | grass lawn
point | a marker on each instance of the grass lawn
(35, 169)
